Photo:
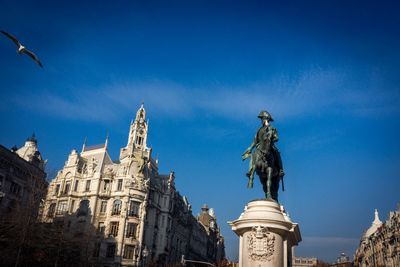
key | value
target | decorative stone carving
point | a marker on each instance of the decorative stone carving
(171, 179)
(91, 166)
(261, 244)
(267, 235)
(109, 173)
(141, 164)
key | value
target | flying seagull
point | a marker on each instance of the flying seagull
(22, 49)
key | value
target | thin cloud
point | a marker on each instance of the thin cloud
(312, 91)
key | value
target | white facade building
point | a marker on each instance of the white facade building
(380, 244)
(125, 205)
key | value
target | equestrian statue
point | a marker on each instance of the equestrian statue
(265, 160)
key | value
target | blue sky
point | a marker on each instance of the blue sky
(328, 72)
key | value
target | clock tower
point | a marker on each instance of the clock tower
(137, 140)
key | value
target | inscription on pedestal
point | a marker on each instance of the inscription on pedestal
(261, 244)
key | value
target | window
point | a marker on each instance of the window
(117, 207)
(83, 208)
(131, 230)
(114, 228)
(129, 252)
(76, 186)
(57, 189)
(67, 187)
(96, 249)
(101, 228)
(62, 207)
(139, 140)
(15, 188)
(106, 186)
(134, 208)
(52, 209)
(119, 185)
(87, 187)
(72, 207)
(103, 206)
(110, 250)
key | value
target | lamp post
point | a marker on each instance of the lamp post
(145, 253)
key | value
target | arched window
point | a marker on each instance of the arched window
(83, 208)
(117, 207)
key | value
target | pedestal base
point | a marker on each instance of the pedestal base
(266, 234)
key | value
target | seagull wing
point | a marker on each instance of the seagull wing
(33, 56)
(13, 38)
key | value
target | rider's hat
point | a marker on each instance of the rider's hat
(265, 114)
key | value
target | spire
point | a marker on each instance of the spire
(377, 221)
(141, 114)
(84, 144)
(106, 143)
(32, 138)
(138, 129)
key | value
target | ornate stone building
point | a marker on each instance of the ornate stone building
(380, 244)
(133, 214)
(22, 179)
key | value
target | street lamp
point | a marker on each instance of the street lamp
(145, 253)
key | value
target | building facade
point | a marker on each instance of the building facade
(304, 261)
(127, 208)
(342, 261)
(22, 179)
(380, 244)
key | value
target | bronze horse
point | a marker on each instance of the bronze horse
(265, 159)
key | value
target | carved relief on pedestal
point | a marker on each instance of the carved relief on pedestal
(261, 244)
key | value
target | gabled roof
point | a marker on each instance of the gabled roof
(99, 154)
(94, 147)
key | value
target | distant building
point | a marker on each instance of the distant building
(380, 244)
(134, 214)
(342, 261)
(22, 179)
(304, 262)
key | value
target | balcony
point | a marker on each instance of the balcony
(105, 193)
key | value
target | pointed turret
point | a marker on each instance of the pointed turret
(374, 226)
(377, 221)
(106, 142)
(137, 140)
(138, 129)
(84, 145)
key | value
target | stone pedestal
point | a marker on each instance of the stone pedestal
(266, 234)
